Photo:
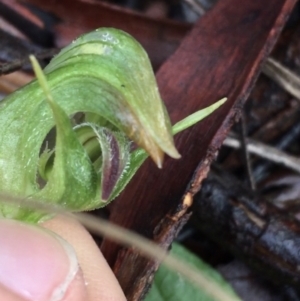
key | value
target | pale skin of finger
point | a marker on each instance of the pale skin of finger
(37, 265)
(101, 283)
(76, 291)
(7, 295)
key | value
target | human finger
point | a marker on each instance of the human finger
(37, 264)
(100, 280)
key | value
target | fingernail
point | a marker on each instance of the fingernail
(35, 263)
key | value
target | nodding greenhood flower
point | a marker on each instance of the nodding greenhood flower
(105, 76)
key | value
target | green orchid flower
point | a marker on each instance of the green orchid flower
(99, 95)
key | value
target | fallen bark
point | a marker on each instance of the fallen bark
(216, 59)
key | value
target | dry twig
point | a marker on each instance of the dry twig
(284, 77)
(9, 67)
(246, 154)
(196, 7)
(267, 152)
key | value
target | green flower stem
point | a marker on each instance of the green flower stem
(92, 149)
(84, 133)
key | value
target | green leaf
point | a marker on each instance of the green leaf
(170, 286)
(196, 117)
